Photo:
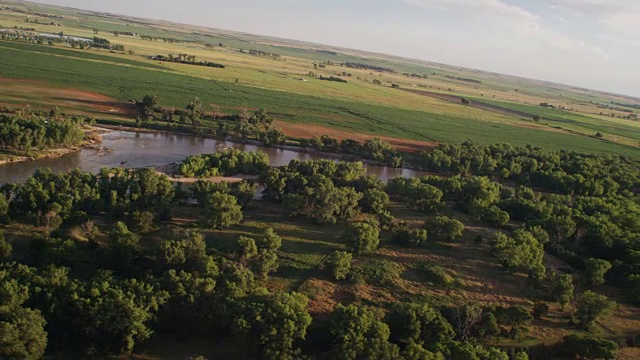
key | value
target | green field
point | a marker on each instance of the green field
(124, 82)
(368, 104)
(575, 121)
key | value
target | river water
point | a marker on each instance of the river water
(136, 150)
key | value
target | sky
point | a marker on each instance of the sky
(587, 43)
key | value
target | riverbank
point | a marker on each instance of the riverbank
(92, 137)
(170, 171)
(311, 152)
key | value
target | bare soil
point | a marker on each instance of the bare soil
(25, 92)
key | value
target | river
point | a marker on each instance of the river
(136, 150)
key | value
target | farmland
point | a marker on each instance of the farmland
(360, 106)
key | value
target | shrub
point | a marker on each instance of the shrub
(540, 309)
(361, 238)
(445, 228)
(587, 347)
(376, 272)
(592, 306)
(411, 237)
(338, 264)
(437, 275)
(141, 221)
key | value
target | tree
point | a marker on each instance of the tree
(536, 118)
(141, 221)
(192, 112)
(125, 246)
(147, 106)
(267, 253)
(423, 197)
(515, 316)
(522, 252)
(278, 320)
(247, 250)
(113, 316)
(222, 210)
(413, 351)
(215, 111)
(540, 309)
(272, 137)
(5, 247)
(361, 238)
(374, 201)
(445, 228)
(591, 306)
(358, 334)
(562, 286)
(261, 257)
(464, 319)
(573, 346)
(338, 264)
(417, 237)
(22, 334)
(594, 271)
(4, 207)
(420, 324)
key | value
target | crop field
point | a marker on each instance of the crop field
(126, 80)
(367, 104)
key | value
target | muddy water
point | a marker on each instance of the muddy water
(136, 150)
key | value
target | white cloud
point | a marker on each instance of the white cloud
(489, 7)
(619, 16)
(600, 7)
(511, 18)
(618, 40)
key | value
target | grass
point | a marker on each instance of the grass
(125, 82)
(79, 54)
(570, 120)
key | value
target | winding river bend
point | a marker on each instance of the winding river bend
(136, 150)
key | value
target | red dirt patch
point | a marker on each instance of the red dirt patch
(309, 131)
(39, 94)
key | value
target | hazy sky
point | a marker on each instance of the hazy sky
(590, 43)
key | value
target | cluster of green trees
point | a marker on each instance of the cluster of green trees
(110, 287)
(597, 235)
(476, 196)
(565, 172)
(29, 36)
(48, 199)
(109, 292)
(323, 190)
(101, 308)
(26, 132)
(227, 162)
(257, 125)
(186, 59)
(415, 331)
(373, 149)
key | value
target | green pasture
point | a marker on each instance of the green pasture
(573, 121)
(126, 83)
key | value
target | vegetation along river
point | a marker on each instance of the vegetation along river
(136, 150)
